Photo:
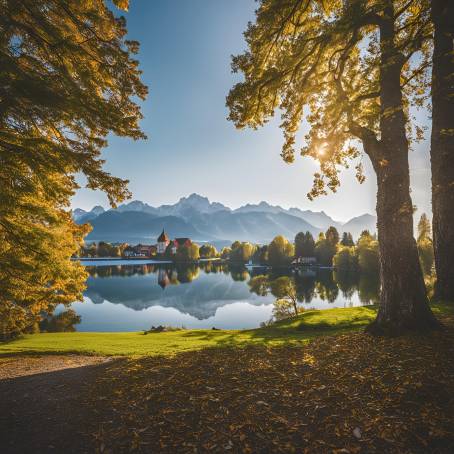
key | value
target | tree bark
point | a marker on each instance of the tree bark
(403, 299)
(442, 147)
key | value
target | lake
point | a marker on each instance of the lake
(133, 296)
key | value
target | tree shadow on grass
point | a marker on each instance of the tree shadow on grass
(290, 331)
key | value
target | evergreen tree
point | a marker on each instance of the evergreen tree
(332, 235)
(347, 239)
(311, 56)
(300, 239)
(442, 146)
(67, 80)
(304, 245)
(325, 251)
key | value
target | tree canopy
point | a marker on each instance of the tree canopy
(68, 80)
(347, 68)
(320, 61)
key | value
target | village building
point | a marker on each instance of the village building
(163, 242)
(178, 242)
(144, 250)
(305, 261)
(141, 250)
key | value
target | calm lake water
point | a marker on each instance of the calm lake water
(122, 296)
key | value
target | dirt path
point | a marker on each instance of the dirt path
(41, 403)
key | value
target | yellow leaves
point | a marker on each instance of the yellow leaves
(309, 359)
(121, 4)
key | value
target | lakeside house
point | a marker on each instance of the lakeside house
(140, 250)
(179, 242)
(305, 261)
(158, 249)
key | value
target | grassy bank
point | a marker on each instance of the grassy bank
(300, 330)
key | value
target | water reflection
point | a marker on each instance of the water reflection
(201, 290)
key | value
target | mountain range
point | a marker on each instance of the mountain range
(198, 218)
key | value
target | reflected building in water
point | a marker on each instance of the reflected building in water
(201, 290)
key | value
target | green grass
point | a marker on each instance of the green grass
(299, 330)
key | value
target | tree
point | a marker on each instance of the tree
(346, 259)
(225, 253)
(347, 239)
(442, 146)
(283, 288)
(332, 235)
(424, 231)
(368, 255)
(61, 323)
(68, 80)
(425, 245)
(241, 252)
(187, 253)
(304, 245)
(311, 56)
(208, 251)
(300, 238)
(280, 251)
(261, 254)
(325, 250)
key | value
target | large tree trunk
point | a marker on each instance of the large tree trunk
(442, 147)
(403, 300)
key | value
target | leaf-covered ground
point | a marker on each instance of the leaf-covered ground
(339, 394)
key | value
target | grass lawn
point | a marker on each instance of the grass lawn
(169, 392)
(296, 331)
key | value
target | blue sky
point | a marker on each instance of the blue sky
(185, 57)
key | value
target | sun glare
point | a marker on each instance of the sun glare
(321, 150)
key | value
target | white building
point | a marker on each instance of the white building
(163, 242)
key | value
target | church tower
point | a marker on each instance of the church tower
(163, 242)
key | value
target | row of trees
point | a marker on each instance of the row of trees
(102, 249)
(280, 252)
(184, 253)
(310, 57)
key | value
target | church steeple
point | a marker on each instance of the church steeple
(163, 242)
(163, 237)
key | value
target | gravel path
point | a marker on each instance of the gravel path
(42, 403)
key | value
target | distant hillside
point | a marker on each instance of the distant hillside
(251, 226)
(317, 219)
(117, 226)
(196, 217)
(356, 225)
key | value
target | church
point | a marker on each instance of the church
(164, 241)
